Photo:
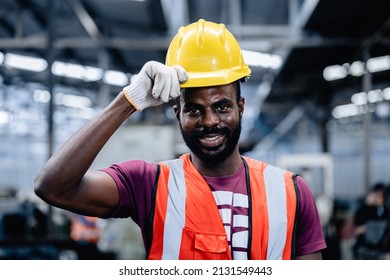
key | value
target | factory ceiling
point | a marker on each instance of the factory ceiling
(122, 35)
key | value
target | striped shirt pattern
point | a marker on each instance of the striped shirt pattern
(232, 200)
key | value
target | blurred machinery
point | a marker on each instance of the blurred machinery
(27, 233)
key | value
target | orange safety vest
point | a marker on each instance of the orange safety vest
(186, 223)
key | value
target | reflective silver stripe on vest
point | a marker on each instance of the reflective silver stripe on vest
(277, 211)
(175, 218)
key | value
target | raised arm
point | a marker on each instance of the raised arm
(66, 181)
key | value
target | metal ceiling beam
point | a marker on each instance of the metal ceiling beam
(86, 21)
(24, 43)
(235, 12)
(304, 13)
(176, 14)
(280, 130)
(161, 43)
(272, 31)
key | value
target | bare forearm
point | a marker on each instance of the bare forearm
(65, 169)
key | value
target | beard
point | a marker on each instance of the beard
(214, 155)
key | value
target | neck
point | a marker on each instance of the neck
(228, 167)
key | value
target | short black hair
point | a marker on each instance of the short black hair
(378, 187)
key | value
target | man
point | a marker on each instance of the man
(371, 224)
(209, 204)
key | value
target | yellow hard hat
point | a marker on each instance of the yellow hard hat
(209, 53)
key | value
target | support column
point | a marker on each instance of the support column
(367, 86)
(50, 87)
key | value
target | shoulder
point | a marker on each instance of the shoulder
(307, 204)
(305, 196)
(261, 166)
(134, 180)
(254, 164)
(130, 175)
(310, 237)
(303, 187)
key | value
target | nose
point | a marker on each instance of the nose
(210, 118)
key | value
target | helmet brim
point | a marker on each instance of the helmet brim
(214, 78)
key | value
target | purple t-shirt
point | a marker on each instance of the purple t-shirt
(135, 180)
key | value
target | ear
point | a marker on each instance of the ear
(177, 112)
(241, 105)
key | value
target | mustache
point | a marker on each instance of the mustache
(212, 130)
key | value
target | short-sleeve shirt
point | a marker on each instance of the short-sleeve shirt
(135, 180)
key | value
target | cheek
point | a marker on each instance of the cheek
(230, 119)
(187, 124)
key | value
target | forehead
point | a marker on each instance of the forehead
(209, 94)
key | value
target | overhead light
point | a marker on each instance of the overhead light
(5, 117)
(386, 93)
(375, 96)
(383, 110)
(115, 78)
(70, 70)
(334, 72)
(41, 96)
(25, 62)
(347, 110)
(77, 71)
(92, 73)
(362, 98)
(265, 60)
(359, 98)
(376, 64)
(356, 69)
(71, 100)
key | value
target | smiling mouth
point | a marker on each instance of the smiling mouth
(212, 140)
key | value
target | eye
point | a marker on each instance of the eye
(192, 110)
(223, 107)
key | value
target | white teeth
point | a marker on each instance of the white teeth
(212, 141)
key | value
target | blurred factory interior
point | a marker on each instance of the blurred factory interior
(317, 102)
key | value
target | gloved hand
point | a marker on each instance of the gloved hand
(156, 83)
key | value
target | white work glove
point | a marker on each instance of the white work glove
(155, 84)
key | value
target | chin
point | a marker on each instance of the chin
(213, 157)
